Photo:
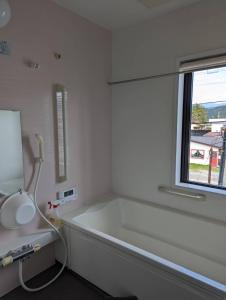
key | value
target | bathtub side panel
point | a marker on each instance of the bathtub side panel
(121, 274)
(59, 248)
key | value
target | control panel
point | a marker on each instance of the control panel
(68, 195)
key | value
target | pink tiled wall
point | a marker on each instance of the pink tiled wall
(37, 30)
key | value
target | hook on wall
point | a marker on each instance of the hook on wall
(32, 65)
(57, 55)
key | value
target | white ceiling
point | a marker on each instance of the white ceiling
(115, 14)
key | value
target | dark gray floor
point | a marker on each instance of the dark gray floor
(67, 287)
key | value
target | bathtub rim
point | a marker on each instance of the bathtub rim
(166, 268)
(103, 202)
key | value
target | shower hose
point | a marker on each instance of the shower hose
(40, 161)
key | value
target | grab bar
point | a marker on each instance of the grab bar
(177, 192)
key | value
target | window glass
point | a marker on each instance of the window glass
(204, 128)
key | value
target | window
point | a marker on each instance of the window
(203, 136)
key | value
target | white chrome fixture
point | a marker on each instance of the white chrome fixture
(5, 13)
(40, 142)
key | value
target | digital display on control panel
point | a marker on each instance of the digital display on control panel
(68, 193)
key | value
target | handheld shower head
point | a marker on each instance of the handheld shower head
(40, 142)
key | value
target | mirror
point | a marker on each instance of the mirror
(11, 154)
(60, 98)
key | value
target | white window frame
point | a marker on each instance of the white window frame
(180, 100)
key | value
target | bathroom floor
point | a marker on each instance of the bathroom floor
(69, 286)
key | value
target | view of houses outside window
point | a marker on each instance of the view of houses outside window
(208, 128)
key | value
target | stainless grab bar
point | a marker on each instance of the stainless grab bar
(178, 192)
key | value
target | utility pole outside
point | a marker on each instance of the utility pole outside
(222, 174)
(210, 164)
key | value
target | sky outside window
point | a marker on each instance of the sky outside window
(209, 86)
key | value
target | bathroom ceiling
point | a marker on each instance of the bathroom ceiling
(115, 14)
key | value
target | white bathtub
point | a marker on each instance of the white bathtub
(128, 247)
